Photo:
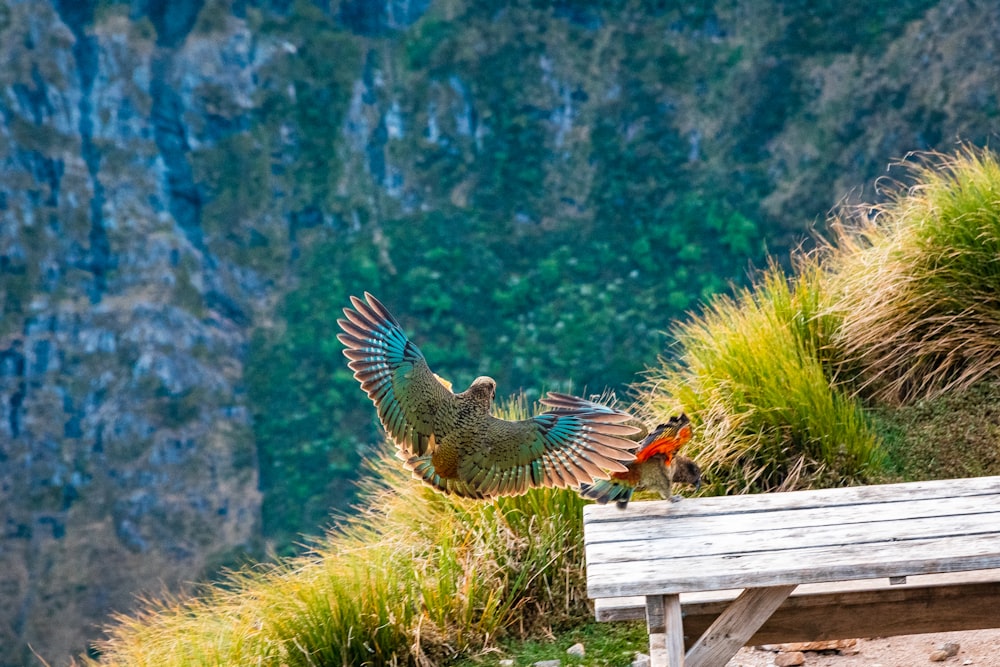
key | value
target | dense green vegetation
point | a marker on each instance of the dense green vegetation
(902, 305)
(934, 253)
(779, 398)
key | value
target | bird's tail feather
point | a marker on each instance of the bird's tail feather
(606, 490)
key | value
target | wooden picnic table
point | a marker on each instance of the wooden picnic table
(904, 551)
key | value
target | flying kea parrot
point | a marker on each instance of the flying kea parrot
(656, 466)
(452, 441)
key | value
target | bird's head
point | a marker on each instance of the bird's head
(685, 471)
(483, 389)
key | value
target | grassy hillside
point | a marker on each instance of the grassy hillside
(785, 389)
(415, 576)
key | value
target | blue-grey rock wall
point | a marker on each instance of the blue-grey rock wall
(126, 454)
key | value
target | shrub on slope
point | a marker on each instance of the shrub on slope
(918, 282)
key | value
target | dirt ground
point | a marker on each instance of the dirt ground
(980, 648)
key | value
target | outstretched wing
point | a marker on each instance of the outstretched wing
(411, 402)
(665, 439)
(562, 402)
(560, 448)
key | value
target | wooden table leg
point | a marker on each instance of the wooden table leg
(731, 630)
(666, 630)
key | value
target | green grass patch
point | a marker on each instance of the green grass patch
(953, 435)
(613, 644)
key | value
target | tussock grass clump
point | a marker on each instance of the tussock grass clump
(755, 372)
(918, 282)
(415, 578)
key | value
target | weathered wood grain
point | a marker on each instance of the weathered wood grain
(775, 538)
(666, 631)
(805, 565)
(808, 615)
(785, 521)
(866, 614)
(734, 626)
(821, 497)
(939, 542)
(892, 530)
(633, 608)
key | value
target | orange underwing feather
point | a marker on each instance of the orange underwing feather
(667, 442)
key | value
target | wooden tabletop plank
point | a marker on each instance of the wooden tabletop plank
(803, 565)
(676, 547)
(769, 544)
(633, 606)
(765, 502)
(781, 538)
(787, 520)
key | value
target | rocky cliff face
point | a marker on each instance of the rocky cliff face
(164, 166)
(126, 456)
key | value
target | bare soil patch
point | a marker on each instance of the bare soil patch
(980, 648)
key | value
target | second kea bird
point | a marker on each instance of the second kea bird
(453, 442)
(656, 467)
